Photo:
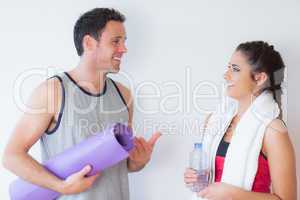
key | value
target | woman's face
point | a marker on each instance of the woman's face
(240, 84)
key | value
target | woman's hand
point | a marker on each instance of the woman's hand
(190, 177)
(218, 191)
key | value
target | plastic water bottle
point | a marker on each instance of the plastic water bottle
(199, 162)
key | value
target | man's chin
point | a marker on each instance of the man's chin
(114, 70)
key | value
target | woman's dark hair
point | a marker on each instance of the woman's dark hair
(92, 23)
(264, 58)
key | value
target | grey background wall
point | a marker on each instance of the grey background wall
(178, 51)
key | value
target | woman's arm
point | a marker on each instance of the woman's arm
(281, 158)
(279, 150)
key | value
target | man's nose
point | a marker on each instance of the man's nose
(122, 48)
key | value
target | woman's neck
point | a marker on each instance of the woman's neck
(244, 104)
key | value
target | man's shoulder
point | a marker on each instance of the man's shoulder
(125, 91)
(47, 94)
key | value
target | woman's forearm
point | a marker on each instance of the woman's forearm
(239, 194)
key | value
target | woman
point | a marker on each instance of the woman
(253, 152)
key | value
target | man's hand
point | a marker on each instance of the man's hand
(140, 155)
(78, 182)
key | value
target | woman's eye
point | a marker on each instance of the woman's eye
(235, 69)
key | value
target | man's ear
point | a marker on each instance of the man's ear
(89, 43)
(260, 78)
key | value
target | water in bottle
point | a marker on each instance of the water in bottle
(199, 162)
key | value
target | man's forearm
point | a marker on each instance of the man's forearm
(24, 166)
(133, 167)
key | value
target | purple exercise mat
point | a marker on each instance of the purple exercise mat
(101, 151)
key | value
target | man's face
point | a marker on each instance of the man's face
(111, 47)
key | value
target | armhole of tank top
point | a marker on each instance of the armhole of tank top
(49, 132)
(261, 152)
(120, 94)
(283, 122)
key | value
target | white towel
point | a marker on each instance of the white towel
(241, 160)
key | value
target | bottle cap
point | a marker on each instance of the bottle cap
(198, 145)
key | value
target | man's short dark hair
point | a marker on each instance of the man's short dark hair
(92, 23)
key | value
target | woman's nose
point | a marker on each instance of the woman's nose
(226, 75)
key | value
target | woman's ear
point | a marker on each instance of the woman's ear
(260, 78)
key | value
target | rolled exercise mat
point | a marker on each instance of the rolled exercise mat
(101, 151)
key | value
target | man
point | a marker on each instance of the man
(79, 103)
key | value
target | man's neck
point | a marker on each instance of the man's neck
(89, 77)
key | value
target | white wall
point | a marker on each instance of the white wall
(174, 47)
